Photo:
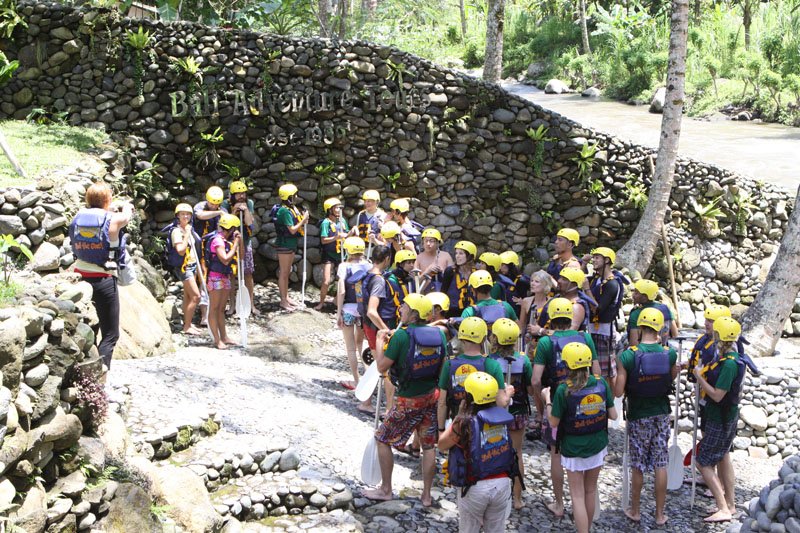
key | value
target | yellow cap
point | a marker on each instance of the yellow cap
(510, 257)
(419, 303)
(480, 278)
(228, 221)
(715, 311)
(482, 387)
(431, 233)
(491, 259)
(371, 194)
(401, 204)
(575, 275)
(329, 203)
(287, 191)
(652, 318)
(440, 299)
(577, 355)
(237, 187)
(468, 247)
(559, 308)
(183, 208)
(506, 331)
(354, 245)
(214, 195)
(647, 288)
(605, 252)
(405, 255)
(472, 329)
(569, 234)
(727, 328)
(390, 230)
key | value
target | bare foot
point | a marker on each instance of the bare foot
(634, 517)
(229, 342)
(719, 516)
(287, 307)
(427, 501)
(319, 307)
(254, 311)
(556, 509)
(377, 494)
(661, 520)
(518, 505)
(193, 331)
(221, 346)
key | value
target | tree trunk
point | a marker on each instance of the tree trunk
(747, 19)
(324, 16)
(763, 322)
(463, 14)
(638, 251)
(341, 31)
(493, 59)
(697, 5)
(369, 7)
(584, 29)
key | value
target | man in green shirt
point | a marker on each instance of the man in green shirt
(645, 374)
(486, 308)
(415, 403)
(644, 294)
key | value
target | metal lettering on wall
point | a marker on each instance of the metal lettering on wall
(263, 103)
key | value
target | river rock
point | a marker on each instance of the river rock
(591, 92)
(753, 416)
(144, 331)
(728, 270)
(130, 511)
(12, 225)
(555, 86)
(12, 348)
(658, 100)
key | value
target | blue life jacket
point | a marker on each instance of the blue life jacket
(490, 313)
(587, 301)
(365, 224)
(652, 374)
(596, 288)
(514, 288)
(734, 394)
(508, 286)
(427, 350)
(459, 292)
(174, 259)
(413, 232)
(489, 453)
(212, 260)
(705, 349)
(517, 378)
(586, 411)
(400, 285)
(204, 227)
(88, 236)
(456, 391)
(282, 230)
(554, 268)
(556, 371)
(353, 284)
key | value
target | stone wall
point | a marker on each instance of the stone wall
(338, 117)
(777, 507)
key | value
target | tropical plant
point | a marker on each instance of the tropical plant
(10, 18)
(396, 71)
(41, 116)
(189, 67)
(8, 244)
(743, 210)
(636, 194)
(205, 152)
(138, 41)
(585, 160)
(595, 187)
(7, 68)
(391, 179)
(710, 213)
(539, 137)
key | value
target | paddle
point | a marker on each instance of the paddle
(242, 296)
(303, 285)
(203, 288)
(370, 464)
(694, 441)
(371, 377)
(626, 472)
(675, 465)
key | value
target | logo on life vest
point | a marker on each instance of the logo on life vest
(592, 404)
(461, 374)
(88, 232)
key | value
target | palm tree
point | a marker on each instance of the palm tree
(638, 251)
(493, 58)
(763, 321)
(584, 29)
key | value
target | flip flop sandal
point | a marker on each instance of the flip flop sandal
(347, 385)
(408, 450)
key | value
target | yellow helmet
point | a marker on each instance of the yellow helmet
(577, 355)
(506, 331)
(652, 318)
(575, 275)
(330, 203)
(440, 299)
(569, 234)
(401, 204)
(432, 233)
(491, 259)
(480, 278)
(605, 252)
(237, 187)
(472, 329)
(354, 245)
(715, 311)
(482, 387)
(371, 194)
(419, 303)
(183, 208)
(405, 255)
(228, 221)
(468, 247)
(727, 328)
(647, 287)
(509, 257)
(214, 195)
(287, 191)
(390, 230)
(559, 308)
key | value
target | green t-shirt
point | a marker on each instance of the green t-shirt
(634, 317)
(581, 445)
(327, 228)
(527, 376)
(226, 205)
(510, 313)
(287, 219)
(396, 351)
(544, 350)
(639, 407)
(491, 367)
(497, 291)
(727, 374)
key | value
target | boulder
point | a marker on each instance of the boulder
(12, 225)
(114, 435)
(150, 278)
(130, 511)
(7, 493)
(186, 494)
(92, 452)
(535, 70)
(658, 100)
(12, 348)
(47, 258)
(729, 270)
(591, 92)
(753, 416)
(32, 515)
(143, 329)
(555, 86)
(69, 486)
(63, 430)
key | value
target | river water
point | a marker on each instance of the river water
(767, 152)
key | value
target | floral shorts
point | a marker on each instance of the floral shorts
(219, 284)
(248, 264)
(407, 415)
(349, 319)
(648, 439)
(520, 422)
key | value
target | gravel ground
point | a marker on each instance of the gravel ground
(286, 386)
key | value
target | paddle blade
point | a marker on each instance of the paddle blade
(614, 424)
(675, 468)
(370, 466)
(366, 385)
(242, 303)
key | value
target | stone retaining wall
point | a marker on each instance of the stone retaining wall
(338, 117)
(777, 507)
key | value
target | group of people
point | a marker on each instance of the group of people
(474, 351)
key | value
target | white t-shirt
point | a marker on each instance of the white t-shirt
(341, 273)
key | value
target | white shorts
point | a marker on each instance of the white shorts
(487, 505)
(582, 464)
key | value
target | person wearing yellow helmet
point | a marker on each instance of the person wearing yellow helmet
(241, 206)
(645, 376)
(392, 235)
(581, 409)
(290, 225)
(412, 355)
(455, 278)
(368, 222)
(400, 282)
(220, 250)
(569, 283)
(720, 382)
(399, 210)
(478, 437)
(566, 241)
(519, 373)
(486, 307)
(432, 260)
(207, 212)
(644, 295)
(705, 349)
(516, 284)
(182, 242)
(549, 371)
(542, 289)
(332, 232)
(491, 262)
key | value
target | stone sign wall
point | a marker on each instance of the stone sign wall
(337, 117)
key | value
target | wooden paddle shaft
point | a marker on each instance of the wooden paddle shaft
(668, 254)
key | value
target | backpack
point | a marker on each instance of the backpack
(596, 289)
(354, 286)
(455, 384)
(652, 374)
(556, 371)
(585, 412)
(490, 313)
(426, 353)
(89, 238)
(517, 376)
(413, 230)
(172, 257)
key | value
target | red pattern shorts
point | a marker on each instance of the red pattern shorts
(409, 415)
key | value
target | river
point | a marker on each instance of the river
(765, 152)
